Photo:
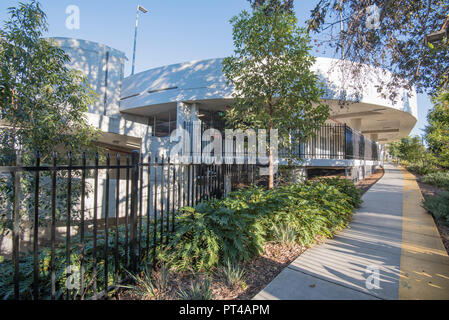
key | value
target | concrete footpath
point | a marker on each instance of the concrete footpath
(392, 250)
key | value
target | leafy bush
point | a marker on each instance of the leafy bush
(233, 274)
(26, 264)
(421, 169)
(236, 228)
(439, 179)
(150, 284)
(210, 234)
(438, 206)
(284, 234)
(347, 187)
(199, 290)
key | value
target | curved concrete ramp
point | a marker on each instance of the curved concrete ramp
(392, 250)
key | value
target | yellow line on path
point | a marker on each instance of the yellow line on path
(424, 260)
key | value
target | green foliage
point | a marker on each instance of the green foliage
(270, 70)
(42, 101)
(236, 228)
(26, 267)
(42, 107)
(284, 234)
(421, 169)
(347, 187)
(438, 206)
(437, 131)
(233, 274)
(199, 290)
(409, 149)
(150, 284)
(396, 44)
(439, 179)
(209, 234)
(270, 5)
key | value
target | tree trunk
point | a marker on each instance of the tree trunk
(271, 169)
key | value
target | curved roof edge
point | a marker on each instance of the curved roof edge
(87, 45)
(204, 79)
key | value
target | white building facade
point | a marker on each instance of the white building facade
(140, 112)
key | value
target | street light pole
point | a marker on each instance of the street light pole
(139, 9)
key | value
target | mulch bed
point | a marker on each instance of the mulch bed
(366, 184)
(258, 273)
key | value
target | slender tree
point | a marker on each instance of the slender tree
(42, 102)
(272, 78)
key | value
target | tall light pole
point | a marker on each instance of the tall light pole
(139, 9)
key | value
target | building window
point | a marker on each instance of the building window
(163, 124)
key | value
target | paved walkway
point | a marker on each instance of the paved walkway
(391, 235)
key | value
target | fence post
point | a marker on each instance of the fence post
(345, 142)
(16, 226)
(134, 202)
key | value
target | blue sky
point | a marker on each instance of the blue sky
(173, 31)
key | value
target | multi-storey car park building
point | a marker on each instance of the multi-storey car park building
(140, 111)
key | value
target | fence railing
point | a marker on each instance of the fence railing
(330, 141)
(76, 228)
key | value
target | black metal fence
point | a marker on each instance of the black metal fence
(69, 222)
(330, 141)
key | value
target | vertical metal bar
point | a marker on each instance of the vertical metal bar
(106, 224)
(127, 211)
(16, 227)
(173, 197)
(179, 194)
(53, 228)
(117, 217)
(134, 204)
(149, 189)
(188, 185)
(156, 169)
(69, 218)
(167, 227)
(95, 227)
(36, 228)
(140, 205)
(82, 225)
(162, 202)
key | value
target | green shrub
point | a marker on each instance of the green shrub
(210, 234)
(199, 290)
(312, 209)
(421, 169)
(26, 263)
(439, 179)
(347, 187)
(284, 234)
(233, 274)
(150, 284)
(438, 206)
(235, 229)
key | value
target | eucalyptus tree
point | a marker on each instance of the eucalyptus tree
(389, 34)
(270, 70)
(42, 102)
(42, 107)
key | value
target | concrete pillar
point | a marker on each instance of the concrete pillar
(356, 124)
(299, 175)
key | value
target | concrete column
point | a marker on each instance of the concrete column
(356, 124)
